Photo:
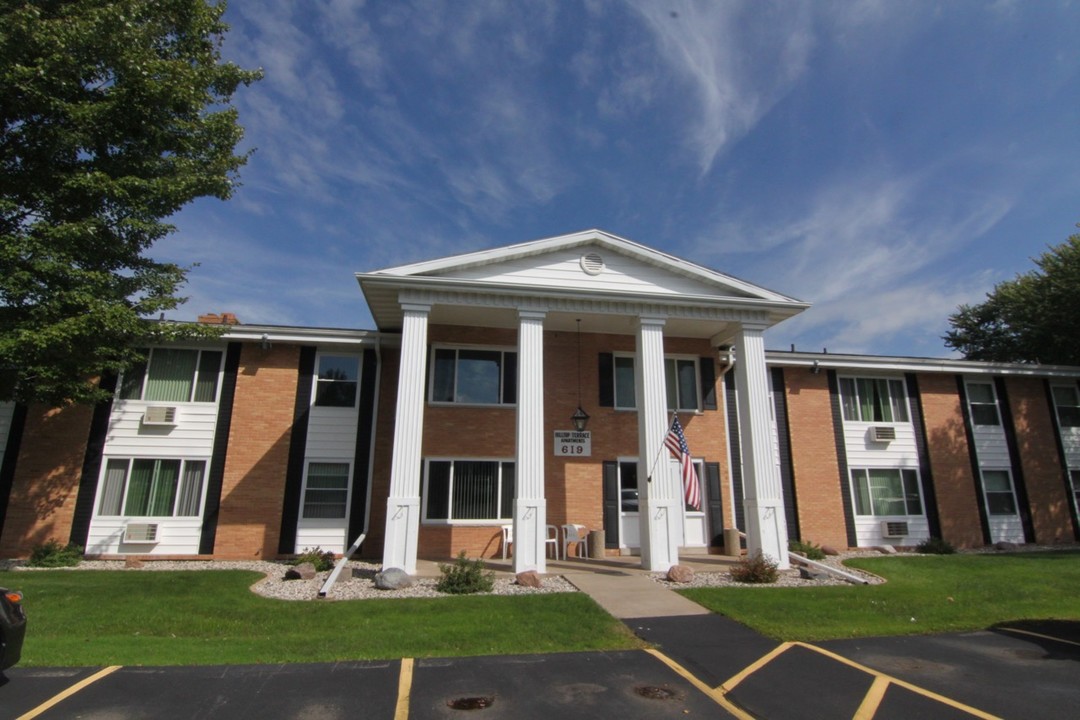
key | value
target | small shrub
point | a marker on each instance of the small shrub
(935, 546)
(323, 560)
(52, 554)
(757, 569)
(465, 576)
(808, 549)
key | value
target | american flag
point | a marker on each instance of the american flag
(675, 441)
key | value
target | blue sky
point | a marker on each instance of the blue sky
(885, 161)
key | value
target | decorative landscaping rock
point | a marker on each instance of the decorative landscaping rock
(134, 563)
(829, 550)
(811, 574)
(393, 579)
(303, 571)
(680, 574)
(529, 579)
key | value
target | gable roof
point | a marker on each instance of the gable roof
(587, 264)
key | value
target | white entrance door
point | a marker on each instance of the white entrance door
(695, 522)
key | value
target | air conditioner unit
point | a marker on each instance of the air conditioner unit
(159, 415)
(894, 529)
(145, 533)
(882, 433)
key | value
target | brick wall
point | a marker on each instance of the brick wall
(813, 455)
(46, 482)
(1039, 460)
(254, 479)
(950, 461)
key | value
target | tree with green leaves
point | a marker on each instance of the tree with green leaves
(1034, 318)
(114, 114)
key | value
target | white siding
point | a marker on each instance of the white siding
(563, 269)
(991, 448)
(863, 452)
(331, 437)
(869, 533)
(1006, 528)
(191, 437)
(1070, 440)
(7, 410)
(176, 536)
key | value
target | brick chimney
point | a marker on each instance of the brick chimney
(226, 318)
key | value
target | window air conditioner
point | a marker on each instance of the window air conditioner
(159, 415)
(882, 433)
(145, 533)
(893, 529)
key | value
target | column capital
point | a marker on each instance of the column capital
(652, 320)
(752, 326)
(415, 307)
(530, 314)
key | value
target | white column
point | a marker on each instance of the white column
(403, 503)
(530, 506)
(766, 526)
(658, 497)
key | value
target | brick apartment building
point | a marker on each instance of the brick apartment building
(453, 419)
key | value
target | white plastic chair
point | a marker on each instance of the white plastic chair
(552, 541)
(507, 539)
(575, 534)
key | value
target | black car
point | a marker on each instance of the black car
(12, 627)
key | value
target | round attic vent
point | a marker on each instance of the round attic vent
(592, 263)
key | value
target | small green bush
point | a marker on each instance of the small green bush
(808, 549)
(935, 546)
(756, 569)
(465, 576)
(323, 560)
(52, 554)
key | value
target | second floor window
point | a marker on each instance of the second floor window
(873, 400)
(1068, 406)
(336, 384)
(474, 376)
(983, 404)
(173, 375)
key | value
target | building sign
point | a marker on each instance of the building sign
(571, 443)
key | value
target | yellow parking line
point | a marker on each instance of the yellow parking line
(69, 692)
(404, 689)
(869, 706)
(1039, 635)
(730, 684)
(717, 695)
(902, 683)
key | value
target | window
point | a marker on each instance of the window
(681, 380)
(628, 490)
(326, 491)
(983, 404)
(1068, 406)
(469, 490)
(479, 377)
(1074, 478)
(886, 491)
(152, 488)
(997, 484)
(873, 400)
(173, 375)
(335, 385)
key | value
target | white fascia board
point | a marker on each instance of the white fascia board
(830, 361)
(586, 237)
(284, 334)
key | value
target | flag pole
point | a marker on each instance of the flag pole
(674, 414)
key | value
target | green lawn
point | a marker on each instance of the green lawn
(924, 594)
(211, 617)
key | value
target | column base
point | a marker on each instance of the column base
(402, 533)
(660, 524)
(766, 530)
(530, 535)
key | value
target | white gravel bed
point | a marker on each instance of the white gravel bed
(356, 581)
(787, 578)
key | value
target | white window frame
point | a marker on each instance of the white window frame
(852, 490)
(130, 460)
(316, 380)
(308, 462)
(457, 350)
(676, 358)
(194, 378)
(499, 462)
(889, 380)
(986, 492)
(972, 403)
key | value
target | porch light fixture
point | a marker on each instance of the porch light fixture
(580, 418)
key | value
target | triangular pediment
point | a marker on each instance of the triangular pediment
(590, 262)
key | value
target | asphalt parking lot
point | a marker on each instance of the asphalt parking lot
(704, 666)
